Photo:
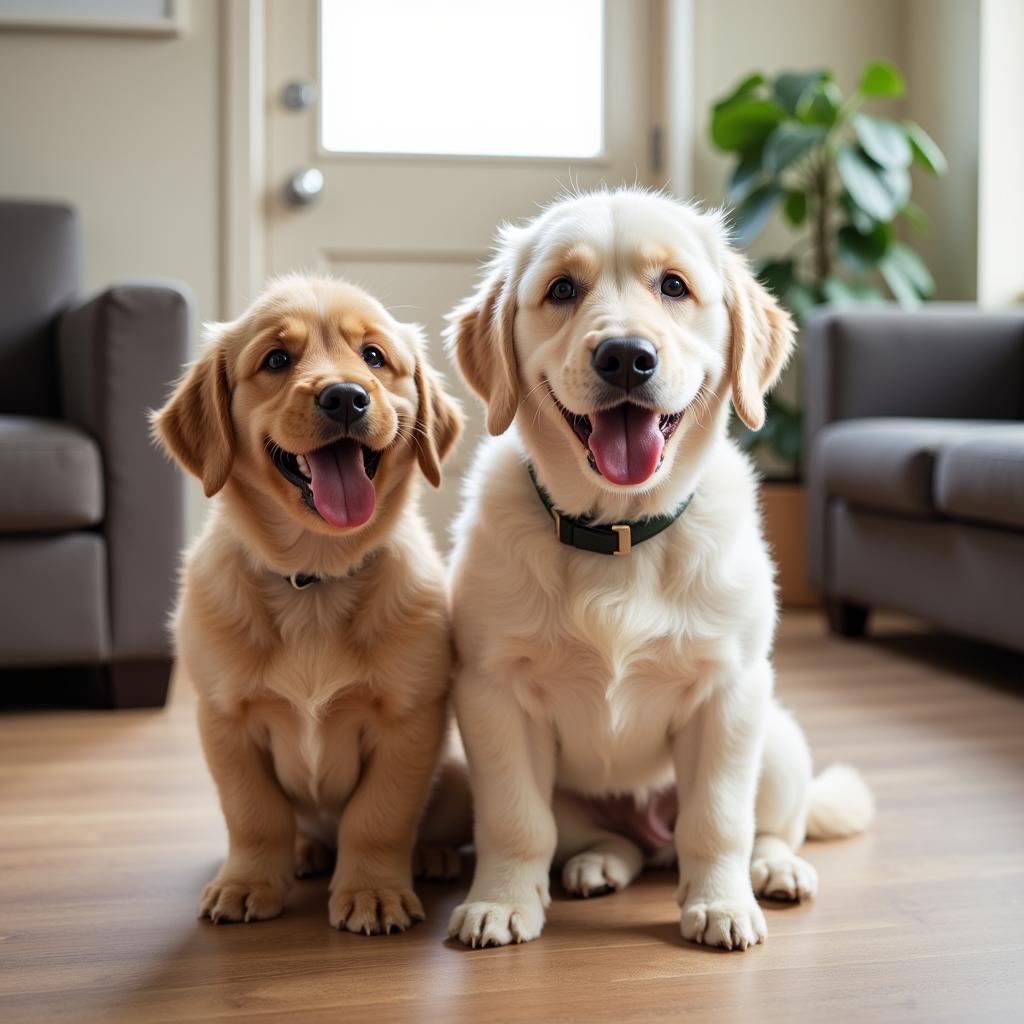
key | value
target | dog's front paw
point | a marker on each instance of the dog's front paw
(594, 873)
(481, 923)
(374, 910)
(788, 878)
(230, 899)
(436, 863)
(731, 924)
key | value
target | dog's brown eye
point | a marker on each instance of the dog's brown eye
(563, 290)
(373, 356)
(277, 360)
(674, 286)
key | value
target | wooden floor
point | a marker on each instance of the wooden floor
(109, 828)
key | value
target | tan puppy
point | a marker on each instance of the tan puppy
(312, 618)
(614, 622)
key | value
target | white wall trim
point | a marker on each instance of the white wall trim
(673, 94)
(243, 175)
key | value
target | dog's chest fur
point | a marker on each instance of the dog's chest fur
(615, 653)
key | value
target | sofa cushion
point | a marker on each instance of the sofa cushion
(982, 478)
(52, 476)
(889, 463)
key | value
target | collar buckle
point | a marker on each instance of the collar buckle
(624, 532)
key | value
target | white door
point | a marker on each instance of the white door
(434, 121)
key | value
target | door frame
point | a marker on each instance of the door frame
(245, 100)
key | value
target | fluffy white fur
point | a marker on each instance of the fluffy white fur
(609, 675)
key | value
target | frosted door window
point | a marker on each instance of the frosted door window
(462, 77)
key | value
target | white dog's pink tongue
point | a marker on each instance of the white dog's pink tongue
(342, 492)
(626, 443)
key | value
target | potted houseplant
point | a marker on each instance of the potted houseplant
(840, 177)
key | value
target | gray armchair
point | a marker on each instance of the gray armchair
(91, 515)
(915, 466)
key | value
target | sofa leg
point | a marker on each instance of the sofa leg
(846, 618)
(139, 684)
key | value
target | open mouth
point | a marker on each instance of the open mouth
(626, 443)
(336, 481)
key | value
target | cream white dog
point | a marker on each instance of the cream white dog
(614, 604)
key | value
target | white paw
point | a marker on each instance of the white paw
(482, 924)
(788, 878)
(731, 924)
(595, 874)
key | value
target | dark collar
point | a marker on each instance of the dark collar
(617, 539)
(301, 580)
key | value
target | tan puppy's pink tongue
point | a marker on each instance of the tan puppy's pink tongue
(342, 492)
(626, 443)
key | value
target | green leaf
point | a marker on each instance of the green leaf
(788, 143)
(899, 283)
(754, 212)
(795, 208)
(879, 192)
(860, 220)
(747, 86)
(821, 104)
(744, 177)
(744, 124)
(913, 268)
(884, 141)
(800, 301)
(776, 276)
(786, 437)
(791, 86)
(838, 292)
(881, 79)
(916, 216)
(862, 251)
(925, 151)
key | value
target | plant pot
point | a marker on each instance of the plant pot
(784, 514)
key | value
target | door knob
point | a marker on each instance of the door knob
(304, 187)
(299, 95)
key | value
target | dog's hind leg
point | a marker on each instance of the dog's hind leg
(776, 871)
(595, 861)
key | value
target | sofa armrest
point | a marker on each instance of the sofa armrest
(117, 354)
(946, 361)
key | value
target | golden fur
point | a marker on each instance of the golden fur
(322, 710)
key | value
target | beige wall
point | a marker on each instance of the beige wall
(125, 127)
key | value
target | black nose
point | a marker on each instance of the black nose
(343, 403)
(625, 362)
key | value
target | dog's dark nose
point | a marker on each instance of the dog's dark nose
(625, 362)
(343, 403)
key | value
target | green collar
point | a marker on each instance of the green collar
(617, 539)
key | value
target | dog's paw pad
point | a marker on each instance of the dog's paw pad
(226, 902)
(724, 923)
(376, 911)
(789, 879)
(483, 924)
(595, 874)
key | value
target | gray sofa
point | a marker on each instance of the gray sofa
(915, 467)
(91, 515)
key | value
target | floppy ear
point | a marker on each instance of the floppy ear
(480, 334)
(761, 342)
(195, 424)
(438, 422)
